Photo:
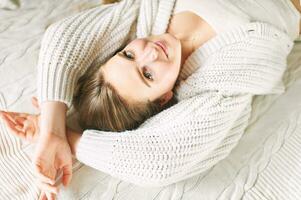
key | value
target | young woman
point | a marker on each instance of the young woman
(223, 58)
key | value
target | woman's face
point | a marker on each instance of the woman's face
(143, 70)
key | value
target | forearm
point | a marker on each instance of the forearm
(68, 49)
(53, 118)
(150, 156)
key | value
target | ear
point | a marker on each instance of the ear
(165, 98)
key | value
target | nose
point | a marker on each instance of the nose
(149, 54)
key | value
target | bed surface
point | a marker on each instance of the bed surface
(274, 130)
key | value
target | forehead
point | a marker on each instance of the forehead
(122, 75)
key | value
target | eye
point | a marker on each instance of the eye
(147, 74)
(128, 54)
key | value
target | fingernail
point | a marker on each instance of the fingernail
(19, 127)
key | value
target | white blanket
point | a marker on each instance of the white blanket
(275, 128)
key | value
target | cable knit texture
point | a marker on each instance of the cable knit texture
(214, 101)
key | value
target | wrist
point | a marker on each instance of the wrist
(53, 118)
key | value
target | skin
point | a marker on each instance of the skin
(51, 132)
(29, 128)
(297, 4)
(144, 57)
(158, 71)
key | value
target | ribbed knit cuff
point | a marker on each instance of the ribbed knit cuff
(54, 86)
(57, 71)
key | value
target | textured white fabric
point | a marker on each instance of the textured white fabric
(9, 4)
(21, 31)
(274, 125)
(214, 106)
(230, 13)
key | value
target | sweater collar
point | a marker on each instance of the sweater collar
(154, 17)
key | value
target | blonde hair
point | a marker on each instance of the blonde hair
(109, 1)
(100, 106)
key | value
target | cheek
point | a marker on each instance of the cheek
(137, 44)
(168, 74)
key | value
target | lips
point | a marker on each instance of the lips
(162, 45)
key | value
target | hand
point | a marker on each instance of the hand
(22, 125)
(48, 192)
(46, 196)
(26, 126)
(52, 153)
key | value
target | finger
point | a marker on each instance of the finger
(50, 196)
(19, 128)
(43, 177)
(47, 196)
(8, 116)
(14, 115)
(20, 120)
(14, 118)
(43, 196)
(13, 121)
(26, 126)
(48, 188)
(13, 128)
(8, 120)
(35, 102)
(67, 175)
(29, 134)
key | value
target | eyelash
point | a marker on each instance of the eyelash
(146, 74)
(125, 53)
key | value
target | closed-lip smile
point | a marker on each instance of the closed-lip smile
(162, 45)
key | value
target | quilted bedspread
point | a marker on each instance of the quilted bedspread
(270, 145)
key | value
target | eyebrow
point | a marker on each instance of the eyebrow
(137, 70)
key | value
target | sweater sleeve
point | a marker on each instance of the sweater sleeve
(250, 59)
(70, 46)
(196, 136)
(207, 123)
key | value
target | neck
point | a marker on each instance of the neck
(189, 43)
(187, 47)
(192, 35)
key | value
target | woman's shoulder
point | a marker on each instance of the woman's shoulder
(197, 25)
(221, 16)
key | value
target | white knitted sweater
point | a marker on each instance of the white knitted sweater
(214, 102)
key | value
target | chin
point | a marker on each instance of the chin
(175, 46)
